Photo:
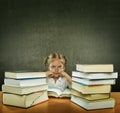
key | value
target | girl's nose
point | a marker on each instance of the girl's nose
(56, 69)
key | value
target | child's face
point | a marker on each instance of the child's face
(56, 67)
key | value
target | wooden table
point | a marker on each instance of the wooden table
(57, 105)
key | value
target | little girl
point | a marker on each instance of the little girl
(56, 75)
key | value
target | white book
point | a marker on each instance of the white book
(92, 105)
(24, 82)
(58, 93)
(95, 67)
(22, 75)
(24, 101)
(93, 82)
(23, 90)
(91, 89)
(91, 97)
(95, 75)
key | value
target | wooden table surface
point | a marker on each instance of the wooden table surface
(58, 105)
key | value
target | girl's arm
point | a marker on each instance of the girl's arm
(64, 74)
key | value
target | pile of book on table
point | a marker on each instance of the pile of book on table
(91, 86)
(24, 89)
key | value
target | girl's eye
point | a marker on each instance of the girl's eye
(59, 66)
(52, 66)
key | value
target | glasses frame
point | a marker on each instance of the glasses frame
(56, 68)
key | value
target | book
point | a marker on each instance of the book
(94, 82)
(94, 96)
(91, 89)
(95, 67)
(25, 101)
(58, 93)
(95, 75)
(24, 82)
(23, 74)
(23, 90)
(92, 105)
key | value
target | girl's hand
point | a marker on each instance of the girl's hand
(52, 75)
(64, 74)
(49, 74)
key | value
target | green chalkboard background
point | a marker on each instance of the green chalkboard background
(85, 31)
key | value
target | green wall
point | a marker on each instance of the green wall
(85, 31)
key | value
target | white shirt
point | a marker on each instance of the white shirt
(61, 83)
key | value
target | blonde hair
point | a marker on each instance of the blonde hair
(54, 56)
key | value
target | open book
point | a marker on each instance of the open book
(58, 93)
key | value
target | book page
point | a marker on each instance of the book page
(57, 91)
(66, 93)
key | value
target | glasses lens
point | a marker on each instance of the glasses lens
(56, 68)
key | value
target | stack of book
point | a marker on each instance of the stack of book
(24, 89)
(91, 86)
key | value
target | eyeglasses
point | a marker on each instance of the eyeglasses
(56, 68)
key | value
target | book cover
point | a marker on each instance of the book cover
(23, 90)
(58, 93)
(95, 67)
(92, 105)
(24, 101)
